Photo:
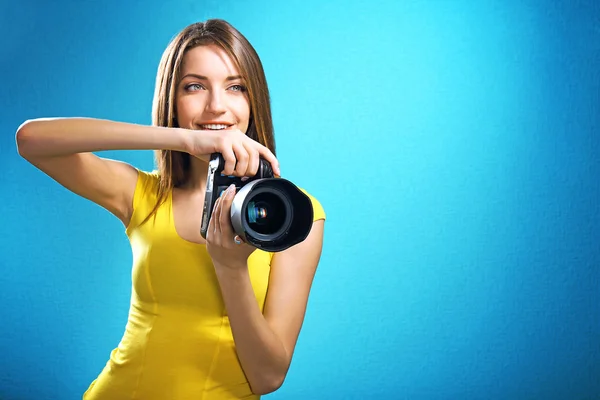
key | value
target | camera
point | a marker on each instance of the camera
(270, 213)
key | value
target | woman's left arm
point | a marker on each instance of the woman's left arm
(264, 342)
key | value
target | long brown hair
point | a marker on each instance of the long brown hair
(174, 167)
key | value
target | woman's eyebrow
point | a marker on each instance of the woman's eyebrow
(204, 78)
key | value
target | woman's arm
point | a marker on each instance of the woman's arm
(265, 343)
(55, 137)
(62, 148)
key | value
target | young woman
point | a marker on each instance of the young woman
(208, 319)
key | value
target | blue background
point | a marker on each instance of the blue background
(454, 146)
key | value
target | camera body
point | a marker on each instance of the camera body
(269, 213)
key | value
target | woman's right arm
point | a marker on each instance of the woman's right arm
(62, 148)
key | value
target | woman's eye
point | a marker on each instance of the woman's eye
(193, 86)
(238, 88)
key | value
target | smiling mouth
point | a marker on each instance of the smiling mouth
(215, 127)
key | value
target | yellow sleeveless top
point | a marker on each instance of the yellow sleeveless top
(177, 343)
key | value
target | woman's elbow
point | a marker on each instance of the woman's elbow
(268, 386)
(23, 138)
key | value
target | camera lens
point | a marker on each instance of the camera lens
(272, 214)
(257, 212)
(266, 213)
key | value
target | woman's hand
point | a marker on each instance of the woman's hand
(241, 153)
(220, 243)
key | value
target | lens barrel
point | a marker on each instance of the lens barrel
(271, 214)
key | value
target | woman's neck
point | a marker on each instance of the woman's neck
(198, 175)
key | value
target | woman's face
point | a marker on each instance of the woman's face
(211, 94)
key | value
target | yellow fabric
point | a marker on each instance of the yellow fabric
(178, 342)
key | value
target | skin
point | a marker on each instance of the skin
(216, 98)
(265, 343)
(63, 149)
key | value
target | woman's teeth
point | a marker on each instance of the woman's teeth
(214, 126)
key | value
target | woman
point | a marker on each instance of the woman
(202, 324)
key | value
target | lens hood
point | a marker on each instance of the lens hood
(285, 212)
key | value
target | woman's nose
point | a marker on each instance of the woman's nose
(215, 103)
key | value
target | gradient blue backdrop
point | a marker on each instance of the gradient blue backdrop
(454, 146)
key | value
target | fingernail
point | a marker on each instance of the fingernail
(245, 178)
(231, 189)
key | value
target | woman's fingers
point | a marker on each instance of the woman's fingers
(220, 222)
(242, 158)
(228, 153)
(253, 161)
(242, 154)
(215, 219)
(265, 153)
(225, 227)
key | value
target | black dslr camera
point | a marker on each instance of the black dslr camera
(269, 213)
